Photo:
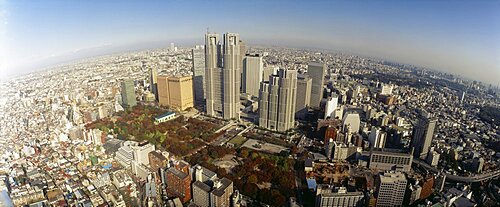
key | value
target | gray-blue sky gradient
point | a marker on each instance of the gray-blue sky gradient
(461, 37)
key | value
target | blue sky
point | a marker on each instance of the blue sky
(460, 37)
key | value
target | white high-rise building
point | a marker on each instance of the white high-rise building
(253, 69)
(390, 189)
(377, 137)
(277, 101)
(222, 75)
(330, 106)
(198, 54)
(141, 152)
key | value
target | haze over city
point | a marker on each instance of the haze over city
(459, 37)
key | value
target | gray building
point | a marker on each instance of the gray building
(390, 189)
(329, 196)
(222, 75)
(153, 82)
(198, 54)
(390, 160)
(303, 101)
(201, 194)
(277, 101)
(423, 132)
(253, 69)
(317, 73)
(128, 93)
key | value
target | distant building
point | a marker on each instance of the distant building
(253, 69)
(153, 82)
(277, 101)
(223, 80)
(390, 160)
(317, 73)
(198, 54)
(423, 132)
(303, 100)
(386, 89)
(329, 196)
(128, 94)
(176, 92)
(390, 189)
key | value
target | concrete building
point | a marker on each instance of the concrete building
(198, 54)
(222, 75)
(329, 196)
(153, 82)
(386, 89)
(377, 137)
(221, 193)
(128, 94)
(390, 189)
(351, 120)
(253, 69)
(125, 154)
(390, 160)
(141, 152)
(303, 100)
(433, 158)
(176, 92)
(201, 194)
(277, 101)
(330, 106)
(423, 132)
(269, 71)
(317, 73)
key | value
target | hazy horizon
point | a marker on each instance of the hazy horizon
(458, 37)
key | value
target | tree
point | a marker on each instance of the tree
(252, 179)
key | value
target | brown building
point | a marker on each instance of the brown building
(330, 133)
(157, 161)
(221, 195)
(176, 92)
(178, 184)
(427, 187)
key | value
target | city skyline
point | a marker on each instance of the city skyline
(463, 38)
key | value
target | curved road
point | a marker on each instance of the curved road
(457, 178)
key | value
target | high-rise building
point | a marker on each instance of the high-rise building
(222, 75)
(178, 184)
(221, 193)
(198, 54)
(268, 72)
(128, 93)
(330, 106)
(377, 137)
(277, 101)
(329, 196)
(390, 160)
(153, 82)
(253, 69)
(303, 101)
(141, 152)
(386, 89)
(390, 189)
(423, 132)
(176, 92)
(352, 121)
(317, 73)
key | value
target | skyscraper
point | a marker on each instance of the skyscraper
(253, 69)
(153, 82)
(303, 100)
(128, 93)
(423, 132)
(390, 189)
(277, 101)
(330, 106)
(198, 54)
(222, 75)
(176, 92)
(317, 72)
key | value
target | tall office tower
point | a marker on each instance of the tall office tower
(330, 106)
(377, 138)
(268, 71)
(222, 75)
(328, 196)
(462, 98)
(221, 193)
(198, 54)
(128, 93)
(176, 92)
(317, 72)
(423, 133)
(390, 189)
(304, 84)
(277, 101)
(153, 82)
(178, 184)
(253, 68)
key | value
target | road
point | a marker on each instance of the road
(458, 178)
